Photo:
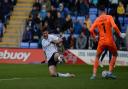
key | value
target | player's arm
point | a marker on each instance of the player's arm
(56, 40)
(115, 26)
(94, 25)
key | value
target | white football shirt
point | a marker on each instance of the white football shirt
(49, 47)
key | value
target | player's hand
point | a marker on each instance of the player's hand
(122, 35)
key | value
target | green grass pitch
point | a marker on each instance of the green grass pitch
(35, 76)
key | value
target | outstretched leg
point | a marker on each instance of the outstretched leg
(53, 72)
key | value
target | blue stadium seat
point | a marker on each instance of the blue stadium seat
(73, 18)
(93, 11)
(120, 19)
(92, 18)
(33, 45)
(126, 20)
(81, 19)
(123, 29)
(24, 45)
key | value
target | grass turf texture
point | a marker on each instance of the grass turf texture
(35, 76)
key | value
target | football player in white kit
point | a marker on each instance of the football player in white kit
(49, 43)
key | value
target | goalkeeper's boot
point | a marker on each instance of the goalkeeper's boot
(93, 77)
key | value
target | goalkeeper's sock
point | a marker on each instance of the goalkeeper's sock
(95, 66)
(112, 63)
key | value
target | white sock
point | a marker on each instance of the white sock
(63, 74)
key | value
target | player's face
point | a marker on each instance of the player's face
(45, 34)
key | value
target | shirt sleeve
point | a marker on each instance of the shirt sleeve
(114, 26)
(53, 37)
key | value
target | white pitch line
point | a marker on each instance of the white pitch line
(15, 79)
(10, 79)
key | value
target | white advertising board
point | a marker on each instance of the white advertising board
(88, 57)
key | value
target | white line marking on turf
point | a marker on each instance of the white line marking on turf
(10, 79)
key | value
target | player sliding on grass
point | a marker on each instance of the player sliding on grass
(104, 23)
(49, 43)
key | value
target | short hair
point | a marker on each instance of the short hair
(102, 9)
(45, 29)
